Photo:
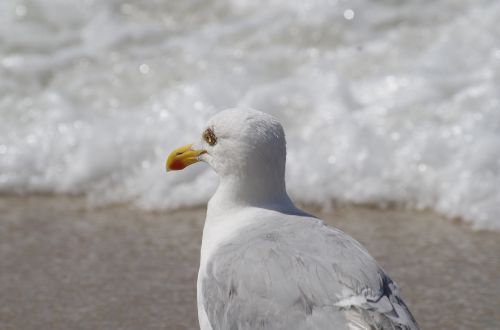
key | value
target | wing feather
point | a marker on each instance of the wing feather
(299, 275)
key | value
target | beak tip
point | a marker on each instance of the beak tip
(169, 167)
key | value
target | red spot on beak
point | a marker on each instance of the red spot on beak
(177, 165)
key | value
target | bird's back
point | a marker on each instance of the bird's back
(285, 271)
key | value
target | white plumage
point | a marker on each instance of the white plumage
(266, 264)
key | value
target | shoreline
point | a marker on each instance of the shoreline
(66, 266)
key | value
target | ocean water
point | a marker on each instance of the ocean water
(383, 102)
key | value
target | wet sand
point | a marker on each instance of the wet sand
(64, 266)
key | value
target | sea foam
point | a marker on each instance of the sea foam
(383, 103)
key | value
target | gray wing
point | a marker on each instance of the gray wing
(299, 275)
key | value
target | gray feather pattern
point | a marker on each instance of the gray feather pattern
(293, 272)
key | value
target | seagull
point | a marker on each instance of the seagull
(265, 264)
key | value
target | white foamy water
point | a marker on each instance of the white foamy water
(383, 102)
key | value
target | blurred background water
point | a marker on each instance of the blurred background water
(383, 102)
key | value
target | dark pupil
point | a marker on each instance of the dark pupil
(209, 136)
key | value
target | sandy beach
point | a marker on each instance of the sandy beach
(65, 266)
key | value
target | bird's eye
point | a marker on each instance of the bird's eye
(209, 136)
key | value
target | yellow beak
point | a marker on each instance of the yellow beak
(183, 157)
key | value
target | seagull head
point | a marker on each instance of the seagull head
(237, 143)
